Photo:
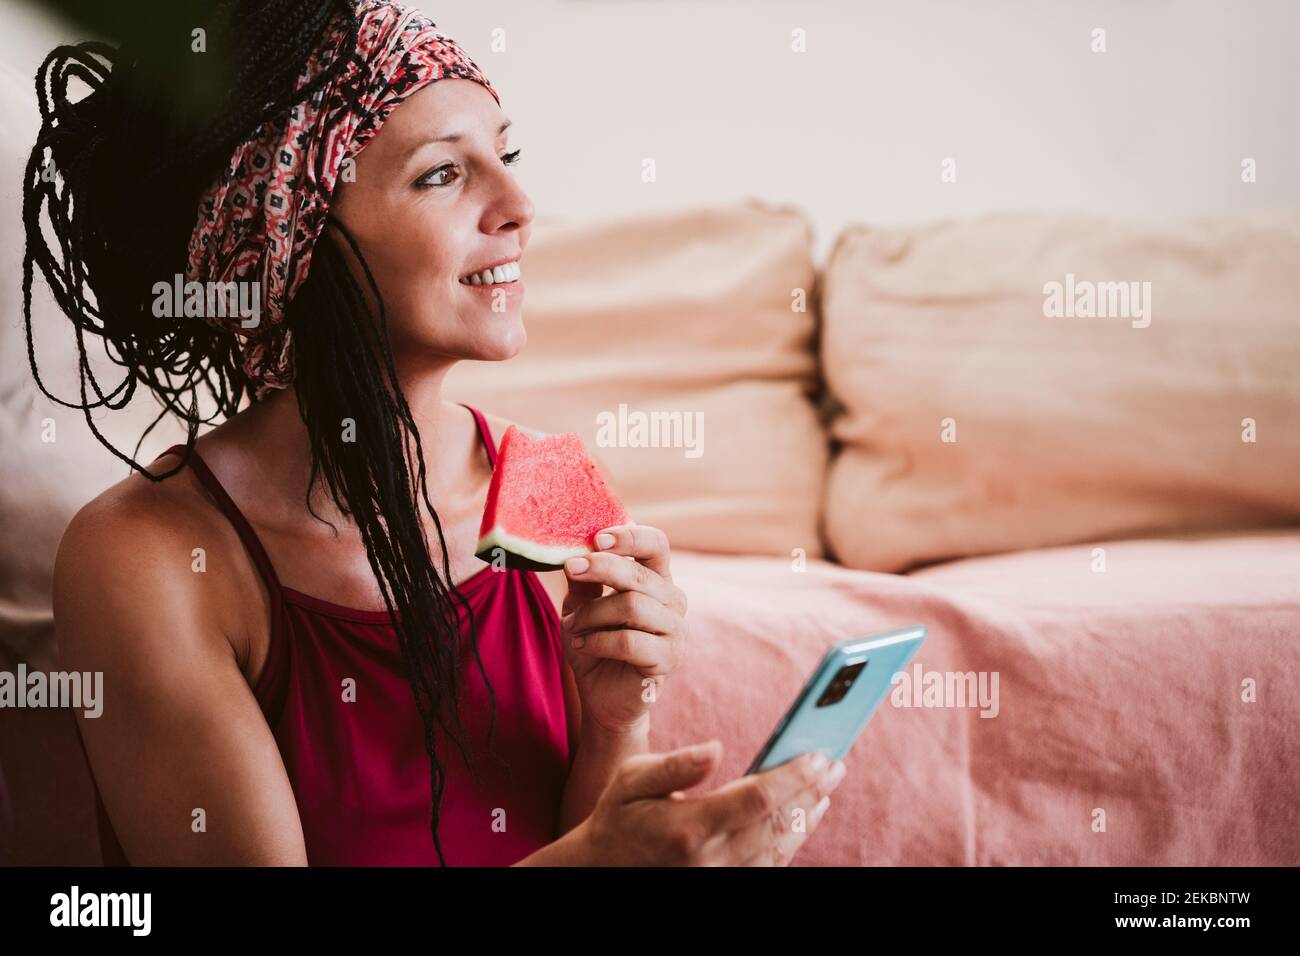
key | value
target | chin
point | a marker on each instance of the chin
(506, 340)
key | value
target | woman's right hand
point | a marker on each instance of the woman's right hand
(644, 819)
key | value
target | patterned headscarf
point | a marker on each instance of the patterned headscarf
(262, 216)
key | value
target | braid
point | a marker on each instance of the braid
(345, 370)
(134, 129)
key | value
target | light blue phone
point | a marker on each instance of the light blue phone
(837, 701)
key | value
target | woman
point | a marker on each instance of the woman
(304, 661)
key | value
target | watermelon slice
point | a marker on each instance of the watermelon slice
(546, 502)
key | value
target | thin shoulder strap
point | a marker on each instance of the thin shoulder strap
(236, 517)
(485, 434)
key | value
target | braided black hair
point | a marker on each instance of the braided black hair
(162, 128)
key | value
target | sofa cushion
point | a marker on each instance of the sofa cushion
(983, 412)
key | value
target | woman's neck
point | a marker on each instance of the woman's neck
(270, 441)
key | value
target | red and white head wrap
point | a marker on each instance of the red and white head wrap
(259, 221)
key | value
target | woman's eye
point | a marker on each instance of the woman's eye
(431, 178)
(428, 178)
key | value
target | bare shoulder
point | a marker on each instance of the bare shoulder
(132, 552)
(131, 520)
(136, 516)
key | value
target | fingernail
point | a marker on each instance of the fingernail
(604, 540)
(579, 640)
(577, 565)
(818, 761)
(567, 619)
(822, 804)
(836, 774)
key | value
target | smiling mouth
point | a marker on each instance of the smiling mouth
(503, 274)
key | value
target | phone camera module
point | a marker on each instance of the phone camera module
(840, 684)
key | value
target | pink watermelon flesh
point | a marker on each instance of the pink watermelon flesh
(545, 503)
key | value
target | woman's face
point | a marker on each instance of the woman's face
(435, 200)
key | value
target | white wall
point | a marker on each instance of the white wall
(856, 128)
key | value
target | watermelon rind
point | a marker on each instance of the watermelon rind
(523, 554)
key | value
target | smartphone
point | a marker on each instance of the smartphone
(837, 701)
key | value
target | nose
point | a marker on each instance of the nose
(510, 209)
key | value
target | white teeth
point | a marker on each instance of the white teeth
(503, 273)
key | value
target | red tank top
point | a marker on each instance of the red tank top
(359, 770)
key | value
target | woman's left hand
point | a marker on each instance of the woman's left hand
(622, 645)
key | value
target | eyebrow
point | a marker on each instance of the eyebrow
(451, 138)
